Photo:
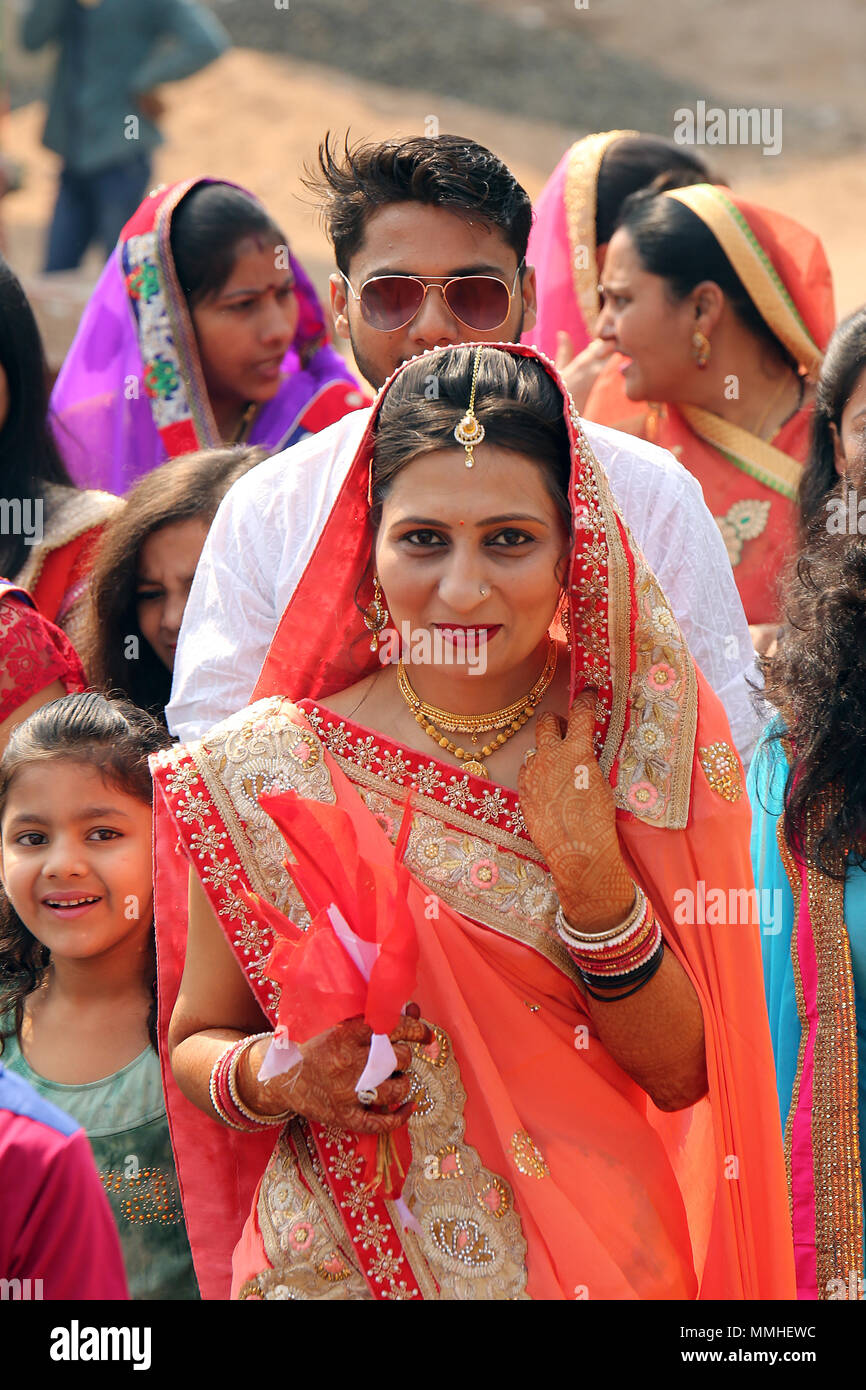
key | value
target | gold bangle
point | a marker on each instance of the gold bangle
(567, 931)
(232, 1079)
(221, 1114)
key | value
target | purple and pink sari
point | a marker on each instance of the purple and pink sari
(131, 392)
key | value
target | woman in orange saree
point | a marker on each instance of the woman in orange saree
(540, 1166)
(722, 310)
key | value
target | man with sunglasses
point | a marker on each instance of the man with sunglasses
(430, 237)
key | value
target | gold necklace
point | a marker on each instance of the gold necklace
(245, 422)
(774, 400)
(514, 715)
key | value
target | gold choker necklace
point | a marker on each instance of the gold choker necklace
(510, 719)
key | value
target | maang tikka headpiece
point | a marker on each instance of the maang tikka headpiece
(470, 430)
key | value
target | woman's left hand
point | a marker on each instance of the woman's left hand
(570, 814)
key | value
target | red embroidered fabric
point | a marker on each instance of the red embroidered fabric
(491, 804)
(33, 654)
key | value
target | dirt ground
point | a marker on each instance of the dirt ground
(538, 75)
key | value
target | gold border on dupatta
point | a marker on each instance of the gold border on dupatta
(72, 512)
(580, 195)
(835, 1121)
(537, 929)
(753, 265)
(472, 1245)
(756, 457)
(796, 891)
(677, 717)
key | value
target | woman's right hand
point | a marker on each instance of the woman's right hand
(322, 1086)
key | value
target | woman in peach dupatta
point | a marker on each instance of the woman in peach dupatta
(540, 1166)
(723, 310)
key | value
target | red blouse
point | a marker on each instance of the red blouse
(33, 652)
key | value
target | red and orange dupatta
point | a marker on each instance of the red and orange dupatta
(540, 1169)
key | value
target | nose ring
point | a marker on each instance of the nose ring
(483, 592)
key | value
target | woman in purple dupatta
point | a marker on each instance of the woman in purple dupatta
(140, 385)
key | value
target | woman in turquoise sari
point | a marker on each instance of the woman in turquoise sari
(808, 790)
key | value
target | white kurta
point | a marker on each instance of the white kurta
(268, 524)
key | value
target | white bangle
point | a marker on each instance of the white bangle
(598, 941)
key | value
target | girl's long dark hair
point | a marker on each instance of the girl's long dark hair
(183, 489)
(816, 679)
(845, 360)
(112, 736)
(29, 458)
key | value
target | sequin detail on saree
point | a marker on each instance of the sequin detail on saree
(328, 1236)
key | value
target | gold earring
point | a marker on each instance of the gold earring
(565, 619)
(701, 348)
(376, 615)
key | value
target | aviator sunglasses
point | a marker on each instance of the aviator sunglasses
(389, 302)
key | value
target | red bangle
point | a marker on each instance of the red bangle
(225, 1099)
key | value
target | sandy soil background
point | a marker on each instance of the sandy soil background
(525, 79)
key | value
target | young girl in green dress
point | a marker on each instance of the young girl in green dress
(77, 965)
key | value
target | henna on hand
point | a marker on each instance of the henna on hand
(570, 814)
(322, 1086)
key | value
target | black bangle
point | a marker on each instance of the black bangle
(636, 979)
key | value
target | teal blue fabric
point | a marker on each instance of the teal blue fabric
(766, 783)
(124, 1118)
(110, 53)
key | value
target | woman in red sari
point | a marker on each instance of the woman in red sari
(555, 1152)
(38, 663)
(722, 310)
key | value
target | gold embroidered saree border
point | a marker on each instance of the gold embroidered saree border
(74, 515)
(796, 890)
(835, 1123)
(762, 282)
(460, 820)
(580, 195)
(760, 460)
(658, 700)
(835, 1116)
(618, 619)
(537, 933)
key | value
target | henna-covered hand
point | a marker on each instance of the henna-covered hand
(569, 811)
(322, 1086)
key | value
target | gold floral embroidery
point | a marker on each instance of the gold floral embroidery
(528, 1158)
(495, 1197)
(446, 1164)
(722, 769)
(654, 776)
(744, 521)
(493, 806)
(502, 890)
(471, 1244)
(217, 786)
(461, 1239)
(299, 1242)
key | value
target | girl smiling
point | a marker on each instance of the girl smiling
(77, 990)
